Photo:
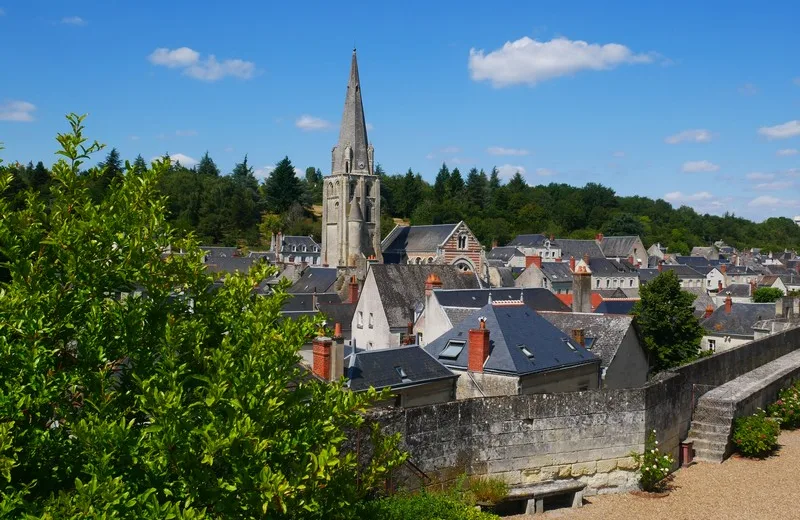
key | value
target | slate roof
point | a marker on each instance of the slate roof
(536, 298)
(299, 242)
(229, 264)
(220, 251)
(341, 313)
(402, 286)
(611, 293)
(512, 327)
(604, 267)
(694, 261)
(737, 290)
(620, 247)
(505, 253)
(506, 276)
(416, 238)
(768, 280)
(615, 306)
(683, 271)
(604, 332)
(379, 368)
(702, 251)
(739, 270)
(645, 275)
(556, 271)
(702, 300)
(305, 302)
(740, 321)
(315, 279)
(579, 248)
(533, 240)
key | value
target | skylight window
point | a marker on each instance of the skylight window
(526, 351)
(568, 343)
(589, 342)
(452, 349)
(402, 373)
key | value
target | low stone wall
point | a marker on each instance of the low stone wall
(582, 435)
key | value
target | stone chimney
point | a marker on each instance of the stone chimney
(432, 282)
(660, 266)
(753, 287)
(709, 311)
(572, 263)
(322, 357)
(582, 287)
(533, 260)
(719, 286)
(478, 347)
(599, 237)
(579, 336)
(728, 304)
(337, 353)
(352, 290)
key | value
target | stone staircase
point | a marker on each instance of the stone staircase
(711, 430)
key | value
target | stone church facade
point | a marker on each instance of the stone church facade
(352, 193)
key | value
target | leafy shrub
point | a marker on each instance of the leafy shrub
(421, 506)
(756, 435)
(488, 490)
(654, 468)
(767, 295)
(787, 407)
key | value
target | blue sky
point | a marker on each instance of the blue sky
(695, 102)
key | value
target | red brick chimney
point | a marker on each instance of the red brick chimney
(478, 347)
(709, 311)
(660, 266)
(572, 264)
(728, 304)
(599, 237)
(352, 290)
(410, 339)
(533, 260)
(432, 282)
(558, 259)
(322, 357)
(719, 286)
(579, 336)
(337, 330)
(753, 287)
(631, 260)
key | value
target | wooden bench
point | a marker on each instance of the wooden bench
(535, 494)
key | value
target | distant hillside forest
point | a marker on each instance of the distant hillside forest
(237, 208)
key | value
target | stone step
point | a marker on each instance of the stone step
(709, 450)
(703, 427)
(712, 415)
(715, 437)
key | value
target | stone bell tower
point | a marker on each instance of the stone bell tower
(351, 195)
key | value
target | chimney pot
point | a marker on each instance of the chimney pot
(579, 336)
(478, 347)
(432, 282)
(709, 311)
(728, 304)
(337, 330)
(352, 290)
(660, 267)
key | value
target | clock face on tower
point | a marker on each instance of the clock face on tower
(360, 164)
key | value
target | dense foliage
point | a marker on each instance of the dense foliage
(426, 505)
(665, 317)
(130, 387)
(787, 407)
(227, 209)
(756, 435)
(767, 295)
(654, 467)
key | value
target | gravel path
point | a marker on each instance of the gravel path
(737, 488)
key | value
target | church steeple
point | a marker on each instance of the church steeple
(353, 154)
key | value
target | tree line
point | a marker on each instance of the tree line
(237, 208)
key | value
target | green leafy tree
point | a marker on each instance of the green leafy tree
(183, 401)
(624, 225)
(282, 188)
(207, 166)
(767, 295)
(665, 318)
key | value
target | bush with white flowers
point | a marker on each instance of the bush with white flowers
(654, 467)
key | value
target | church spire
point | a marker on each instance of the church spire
(353, 154)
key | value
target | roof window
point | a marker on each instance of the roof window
(452, 349)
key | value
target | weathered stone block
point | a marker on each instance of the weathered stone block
(531, 476)
(606, 466)
(584, 468)
(549, 472)
(627, 463)
(565, 471)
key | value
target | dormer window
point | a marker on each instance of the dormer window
(294, 248)
(305, 249)
(402, 373)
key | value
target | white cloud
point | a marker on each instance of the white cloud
(209, 69)
(499, 150)
(528, 61)
(311, 123)
(133, 137)
(679, 197)
(73, 20)
(618, 154)
(430, 156)
(758, 176)
(228, 149)
(370, 127)
(185, 160)
(450, 149)
(698, 135)
(773, 186)
(185, 133)
(699, 166)
(748, 89)
(507, 171)
(786, 152)
(263, 173)
(20, 111)
(788, 129)
(545, 172)
(766, 201)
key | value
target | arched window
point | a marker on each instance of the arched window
(463, 266)
(430, 259)
(417, 260)
(462, 241)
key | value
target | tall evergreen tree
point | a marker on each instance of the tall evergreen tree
(456, 185)
(39, 176)
(206, 166)
(477, 188)
(139, 164)
(244, 175)
(442, 183)
(282, 187)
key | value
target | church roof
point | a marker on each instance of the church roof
(417, 238)
(353, 130)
